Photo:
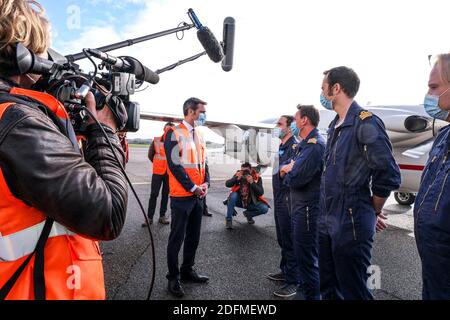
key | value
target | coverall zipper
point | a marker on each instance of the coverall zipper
(307, 218)
(365, 153)
(324, 173)
(335, 147)
(431, 185)
(353, 222)
(442, 190)
(445, 181)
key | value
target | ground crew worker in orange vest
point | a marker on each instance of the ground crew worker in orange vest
(189, 183)
(54, 204)
(157, 155)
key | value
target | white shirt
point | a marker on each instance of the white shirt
(339, 123)
(190, 128)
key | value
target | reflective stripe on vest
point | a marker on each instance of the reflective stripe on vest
(159, 160)
(22, 243)
(191, 156)
(159, 150)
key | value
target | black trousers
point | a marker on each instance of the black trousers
(158, 181)
(205, 207)
(185, 227)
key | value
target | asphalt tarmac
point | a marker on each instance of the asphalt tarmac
(238, 261)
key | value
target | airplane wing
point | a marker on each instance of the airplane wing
(210, 124)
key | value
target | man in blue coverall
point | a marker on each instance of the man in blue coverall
(432, 207)
(303, 178)
(358, 176)
(287, 131)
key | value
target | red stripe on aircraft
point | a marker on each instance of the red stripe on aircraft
(411, 167)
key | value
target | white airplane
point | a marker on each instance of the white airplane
(410, 129)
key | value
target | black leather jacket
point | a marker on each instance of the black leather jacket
(40, 166)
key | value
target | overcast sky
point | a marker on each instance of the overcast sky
(281, 50)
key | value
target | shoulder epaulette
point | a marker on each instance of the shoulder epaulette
(312, 141)
(365, 114)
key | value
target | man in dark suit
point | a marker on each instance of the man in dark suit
(188, 183)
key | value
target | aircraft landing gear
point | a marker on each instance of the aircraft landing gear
(405, 199)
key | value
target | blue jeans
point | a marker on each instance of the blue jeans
(253, 210)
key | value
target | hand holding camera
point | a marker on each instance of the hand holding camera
(104, 116)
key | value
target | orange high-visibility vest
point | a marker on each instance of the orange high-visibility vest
(191, 157)
(72, 263)
(256, 177)
(159, 160)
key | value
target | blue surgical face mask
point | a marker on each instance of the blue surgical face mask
(294, 129)
(327, 104)
(201, 120)
(431, 104)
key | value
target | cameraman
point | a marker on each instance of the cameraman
(51, 199)
(247, 192)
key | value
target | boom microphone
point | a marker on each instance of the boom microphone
(207, 39)
(127, 64)
(229, 27)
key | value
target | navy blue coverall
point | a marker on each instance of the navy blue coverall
(358, 163)
(288, 264)
(304, 183)
(432, 220)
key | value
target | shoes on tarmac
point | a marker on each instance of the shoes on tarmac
(163, 220)
(249, 217)
(193, 276)
(207, 214)
(276, 277)
(286, 291)
(144, 225)
(175, 288)
(229, 224)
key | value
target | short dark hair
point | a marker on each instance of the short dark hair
(289, 119)
(246, 165)
(192, 103)
(310, 112)
(347, 79)
(169, 124)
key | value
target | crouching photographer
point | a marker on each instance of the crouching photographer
(52, 200)
(247, 192)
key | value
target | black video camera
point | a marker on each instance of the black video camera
(66, 81)
(121, 76)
